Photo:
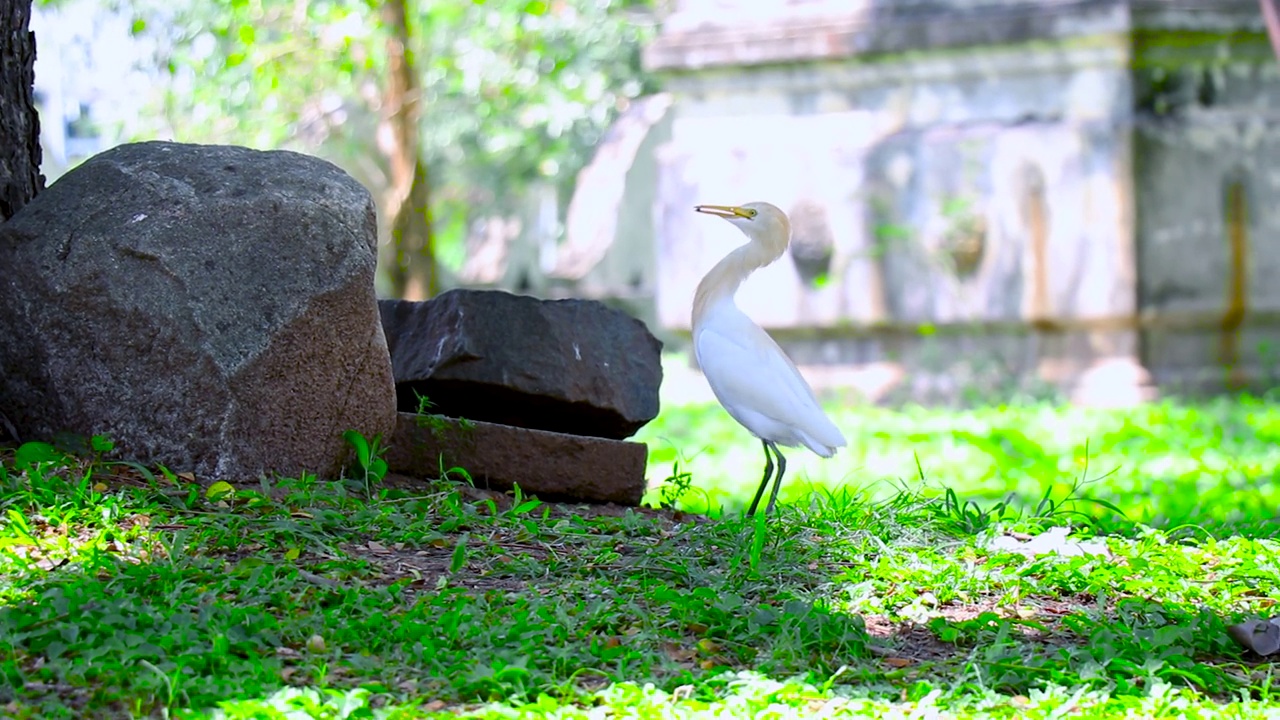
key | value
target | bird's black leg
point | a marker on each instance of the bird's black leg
(768, 472)
(777, 480)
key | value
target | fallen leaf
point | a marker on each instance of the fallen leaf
(100, 487)
(316, 579)
(315, 644)
(679, 654)
(898, 662)
(292, 554)
(219, 489)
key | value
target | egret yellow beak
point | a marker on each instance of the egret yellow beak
(724, 211)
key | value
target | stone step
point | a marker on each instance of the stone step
(555, 467)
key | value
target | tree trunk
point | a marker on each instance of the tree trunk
(411, 257)
(20, 177)
(1271, 16)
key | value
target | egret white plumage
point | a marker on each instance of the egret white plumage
(751, 376)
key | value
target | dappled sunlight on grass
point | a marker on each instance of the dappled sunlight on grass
(751, 694)
(1165, 463)
(129, 593)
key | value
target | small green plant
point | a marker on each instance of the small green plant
(369, 462)
(675, 487)
(424, 403)
(759, 533)
(33, 454)
(100, 445)
(436, 421)
(520, 505)
(459, 558)
(968, 516)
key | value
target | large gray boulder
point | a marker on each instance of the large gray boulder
(209, 308)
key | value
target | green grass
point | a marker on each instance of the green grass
(1166, 463)
(874, 593)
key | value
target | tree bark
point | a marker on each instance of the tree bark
(411, 256)
(20, 177)
(1271, 16)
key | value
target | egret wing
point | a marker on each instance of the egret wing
(748, 369)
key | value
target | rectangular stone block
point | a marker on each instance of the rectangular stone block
(552, 466)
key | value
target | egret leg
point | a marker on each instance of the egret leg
(768, 472)
(777, 480)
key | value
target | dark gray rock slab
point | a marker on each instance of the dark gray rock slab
(569, 366)
(209, 308)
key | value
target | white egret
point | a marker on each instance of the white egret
(751, 376)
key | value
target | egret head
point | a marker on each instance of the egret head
(762, 222)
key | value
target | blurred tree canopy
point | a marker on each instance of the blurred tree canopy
(446, 111)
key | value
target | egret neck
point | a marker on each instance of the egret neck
(722, 281)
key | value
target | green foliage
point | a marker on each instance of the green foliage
(370, 465)
(32, 455)
(675, 487)
(318, 603)
(513, 90)
(123, 593)
(437, 422)
(1213, 463)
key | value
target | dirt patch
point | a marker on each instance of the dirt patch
(909, 642)
(505, 501)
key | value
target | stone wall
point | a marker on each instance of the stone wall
(978, 186)
(1206, 146)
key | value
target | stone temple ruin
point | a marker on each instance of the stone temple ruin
(1070, 193)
